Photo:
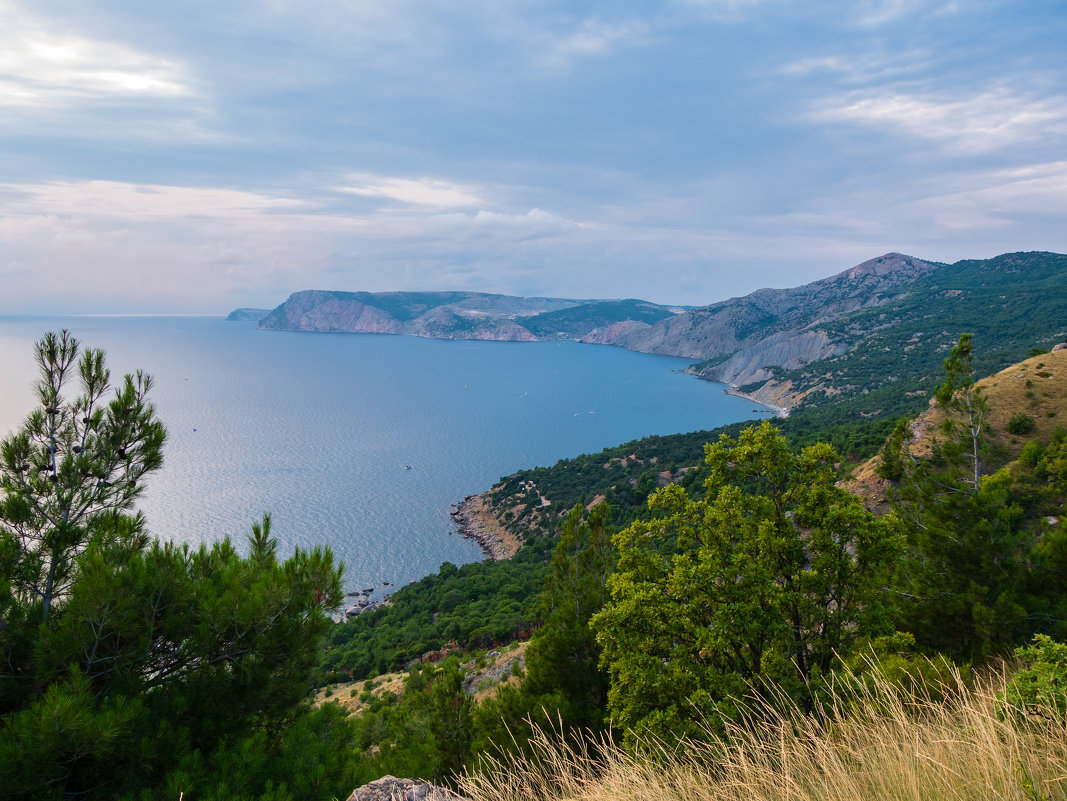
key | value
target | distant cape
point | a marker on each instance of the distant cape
(253, 315)
(772, 345)
(463, 315)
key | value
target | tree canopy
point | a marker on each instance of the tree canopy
(760, 583)
(133, 668)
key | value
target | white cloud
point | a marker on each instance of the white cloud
(95, 245)
(996, 118)
(533, 219)
(947, 217)
(426, 192)
(591, 38)
(724, 8)
(861, 68)
(43, 66)
(980, 201)
(879, 12)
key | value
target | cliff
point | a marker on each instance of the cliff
(461, 315)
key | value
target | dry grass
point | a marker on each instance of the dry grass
(347, 695)
(883, 746)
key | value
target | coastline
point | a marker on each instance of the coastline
(779, 411)
(474, 520)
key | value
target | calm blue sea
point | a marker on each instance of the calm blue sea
(318, 428)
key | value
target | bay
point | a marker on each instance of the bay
(362, 442)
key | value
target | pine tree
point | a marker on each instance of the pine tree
(134, 668)
(960, 588)
(563, 655)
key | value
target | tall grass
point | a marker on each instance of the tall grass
(874, 742)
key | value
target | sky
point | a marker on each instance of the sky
(198, 156)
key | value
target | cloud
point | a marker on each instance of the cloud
(999, 198)
(426, 192)
(533, 219)
(41, 66)
(169, 248)
(590, 38)
(946, 217)
(994, 119)
(116, 199)
(724, 8)
(879, 12)
(863, 68)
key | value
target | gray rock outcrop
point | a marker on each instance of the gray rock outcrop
(390, 788)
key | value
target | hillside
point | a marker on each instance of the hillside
(879, 357)
(1004, 564)
(738, 326)
(601, 322)
(462, 315)
(247, 314)
(1035, 387)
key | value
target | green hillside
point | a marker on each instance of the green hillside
(576, 322)
(1010, 304)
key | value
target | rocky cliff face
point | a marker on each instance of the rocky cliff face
(775, 330)
(611, 334)
(727, 327)
(455, 315)
(325, 311)
(787, 350)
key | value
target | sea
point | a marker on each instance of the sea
(362, 442)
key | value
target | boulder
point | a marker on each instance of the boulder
(390, 788)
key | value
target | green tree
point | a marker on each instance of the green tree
(563, 687)
(425, 732)
(961, 586)
(75, 464)
(966, 414)
(449, 720)
(1040, 687)
(759, 584)
(564, 655)
(133, 668)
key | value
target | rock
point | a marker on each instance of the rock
(390, 788)
(1061, 346)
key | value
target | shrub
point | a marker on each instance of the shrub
(1041, 687)
(1021, 423)
(1033, 452)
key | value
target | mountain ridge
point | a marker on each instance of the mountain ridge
(770, 345)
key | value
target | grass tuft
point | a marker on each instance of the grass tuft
(873, 742)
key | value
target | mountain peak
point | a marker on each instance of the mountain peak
(888, 264)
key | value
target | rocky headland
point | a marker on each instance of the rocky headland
(475, 519)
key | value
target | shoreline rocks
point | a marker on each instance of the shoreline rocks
(779, 411)
(474, 520)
